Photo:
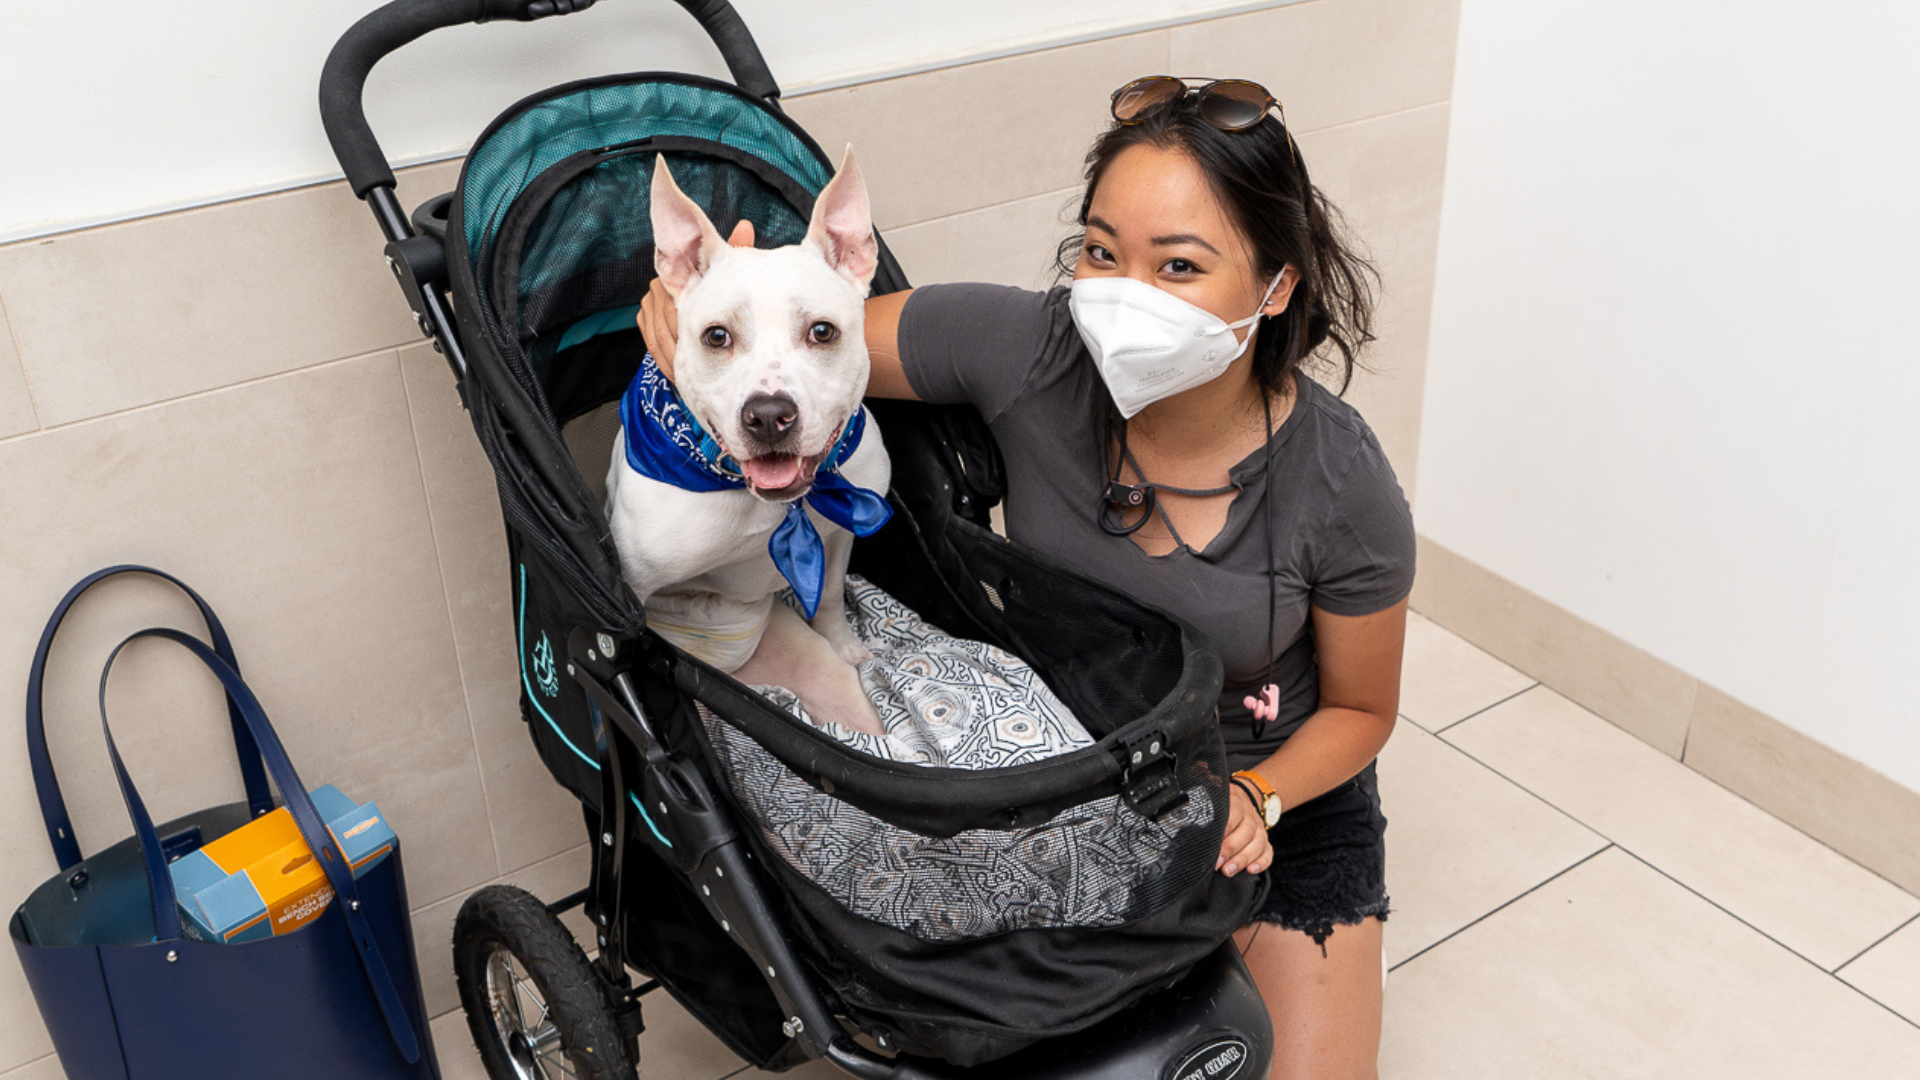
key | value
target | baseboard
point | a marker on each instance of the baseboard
(1843, 803)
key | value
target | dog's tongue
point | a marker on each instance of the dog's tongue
(771, 472)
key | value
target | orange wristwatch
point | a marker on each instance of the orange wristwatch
(1269, 798)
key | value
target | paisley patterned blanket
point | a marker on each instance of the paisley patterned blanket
(951, 703)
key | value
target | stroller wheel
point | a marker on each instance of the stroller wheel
(535, 1007)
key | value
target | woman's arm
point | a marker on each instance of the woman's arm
(1359, 661)
(659, 325)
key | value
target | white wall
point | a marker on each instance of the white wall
(114, 107)
(1674, 379)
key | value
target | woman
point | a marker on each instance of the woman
(1158, 435)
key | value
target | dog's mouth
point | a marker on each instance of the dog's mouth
(780, 477)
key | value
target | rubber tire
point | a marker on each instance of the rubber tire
(501, 916)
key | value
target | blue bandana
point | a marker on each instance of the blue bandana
(665, 443)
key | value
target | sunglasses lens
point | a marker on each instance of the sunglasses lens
(1234, 104)
(1137, 97)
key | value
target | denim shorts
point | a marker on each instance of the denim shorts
(1329, 861)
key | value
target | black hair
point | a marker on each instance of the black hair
(1259, 177)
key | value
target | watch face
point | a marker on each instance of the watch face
(1271, 811)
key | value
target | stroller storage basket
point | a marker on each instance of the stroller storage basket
(547, 253)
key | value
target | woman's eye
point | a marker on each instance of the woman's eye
(716, 337)
(1180, 266)
(1099, 254)
(823, 333)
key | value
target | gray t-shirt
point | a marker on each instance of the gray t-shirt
(1342, 534)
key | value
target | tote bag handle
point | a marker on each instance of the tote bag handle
(53, 808)
(166, 916)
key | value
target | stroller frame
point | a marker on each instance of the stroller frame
(1212, 1023)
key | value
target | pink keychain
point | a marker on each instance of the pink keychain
(1266, 707)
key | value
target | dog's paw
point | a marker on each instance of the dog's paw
(846, 644)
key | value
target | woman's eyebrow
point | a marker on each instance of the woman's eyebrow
(1183, 238)
(1094, 221)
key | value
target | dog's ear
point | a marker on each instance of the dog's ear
(684, 241)
(842, 226)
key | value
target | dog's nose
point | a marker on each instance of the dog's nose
(768, 416)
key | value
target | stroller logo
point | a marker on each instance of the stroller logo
(1220, 1060)
(543, 672)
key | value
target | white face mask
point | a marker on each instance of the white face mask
(1148, 343)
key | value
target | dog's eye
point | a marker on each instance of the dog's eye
(716, 337)
(823, 333)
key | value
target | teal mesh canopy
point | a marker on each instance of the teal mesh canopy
(518, 151)
(554, 199)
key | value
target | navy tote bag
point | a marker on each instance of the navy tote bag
(126, 996)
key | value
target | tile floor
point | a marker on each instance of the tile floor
(1570, 902)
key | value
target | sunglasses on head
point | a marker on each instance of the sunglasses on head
(1227, 104)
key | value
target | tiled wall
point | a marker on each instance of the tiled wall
(236, 394)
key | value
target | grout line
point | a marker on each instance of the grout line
(23, 1066)
(1911, 1022)
(1882, 939)
(446, 602)
(20, 361)
(1477, 712)
(1057, 192)
(736, 1072)
(1711, 902)
(1770, 814)
(1558, 875)
(221, 389)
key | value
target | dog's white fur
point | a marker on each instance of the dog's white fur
(748, 333)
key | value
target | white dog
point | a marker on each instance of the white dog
(725, 484)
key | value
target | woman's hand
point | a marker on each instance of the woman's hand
(659, 320)
(1245, 846)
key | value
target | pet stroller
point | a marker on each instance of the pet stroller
(526, 278)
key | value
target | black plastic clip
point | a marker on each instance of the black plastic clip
(1150, 774)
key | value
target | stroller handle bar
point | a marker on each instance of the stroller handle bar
(384, 30)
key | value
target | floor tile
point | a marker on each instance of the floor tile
(1444, 680)
(1461, 841)
(453, 1045)
(1613, 972)
(531, 817)
(1889, 973)
(1853, 808)
(676, 1045)
(1774, 877)
(16, 402)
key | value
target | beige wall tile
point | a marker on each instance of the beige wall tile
(550, 879)
(1613, 972)
(531, 816)
(1009, 244)
(294, 505)
(1764, 872)
(47, 1068)
(23, 1037)
(146, 311)
(16, 402)
(1461, 841)
(1839, 801)
(1629, 686)
(1444, 680)
(1889, 973)
(1334, 61)
(967, 137)
(1392, 204)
